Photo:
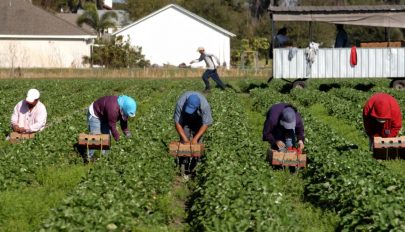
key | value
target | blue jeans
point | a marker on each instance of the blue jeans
(214, 75)
(96, 126)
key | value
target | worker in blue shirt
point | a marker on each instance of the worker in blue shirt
(192, 117)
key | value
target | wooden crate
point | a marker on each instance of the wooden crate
(18, 137)
(99, 141)
(394, 44)
(187, 150)
(288, 158)
(389, 148)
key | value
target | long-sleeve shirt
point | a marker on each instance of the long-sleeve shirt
(208, 58)
(31, 121)
(107, 109)
(273, 130)
(204, 110)
(382, 106)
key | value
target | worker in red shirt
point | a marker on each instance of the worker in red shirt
(382, 117)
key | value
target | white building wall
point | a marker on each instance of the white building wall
(38, 53)
(108, 3)
(172, 37)
(335, 63)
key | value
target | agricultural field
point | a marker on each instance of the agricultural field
(44, 185)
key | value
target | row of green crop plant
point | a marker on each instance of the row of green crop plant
(357, 100)
(345, 104)
(366, 195)
(236, 190)
(353, 94)
(335, 106)
(60, 97)
(363, 192)
(20, 162)
(54, 146)
(128, 190)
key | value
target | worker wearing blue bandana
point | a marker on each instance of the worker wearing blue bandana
(104, 113)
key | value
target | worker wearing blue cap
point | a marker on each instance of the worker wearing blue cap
(192, 116)
(104, 113)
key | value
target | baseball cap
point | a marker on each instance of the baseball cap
(32, 95)
(192, 104)
(200, 49)
(127, 105)
(288, 118)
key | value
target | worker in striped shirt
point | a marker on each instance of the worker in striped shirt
(211, 70)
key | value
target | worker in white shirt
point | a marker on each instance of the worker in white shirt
(29, 115)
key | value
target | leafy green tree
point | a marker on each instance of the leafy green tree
(92, 18)
(140, 8)
(116, 53)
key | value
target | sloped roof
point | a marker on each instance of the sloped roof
(367, 15)
(184, 11)
(72, 18)
(20, 18)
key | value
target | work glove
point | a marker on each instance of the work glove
(128, 134)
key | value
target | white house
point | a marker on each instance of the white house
(172, 35)
(31, 37)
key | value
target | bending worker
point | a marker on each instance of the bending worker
(105, 112)
(283, 127)
(29, 115)
(382, 117)
(192, 117)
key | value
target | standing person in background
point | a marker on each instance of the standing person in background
(342, 40)
(29, 115)
(211, 70)
(104, 113)
(281, 39)
(283, 127)
(382, 117)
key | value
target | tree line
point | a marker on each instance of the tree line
(249, 20)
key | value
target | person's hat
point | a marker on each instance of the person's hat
(200, 49)
(127, 105)
(288, 118)
(32, 95)
(192, 104)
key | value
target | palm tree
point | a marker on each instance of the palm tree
(91, 18)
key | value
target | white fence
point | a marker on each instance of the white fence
(335, 63)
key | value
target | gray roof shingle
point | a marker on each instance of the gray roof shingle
(21, 17)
